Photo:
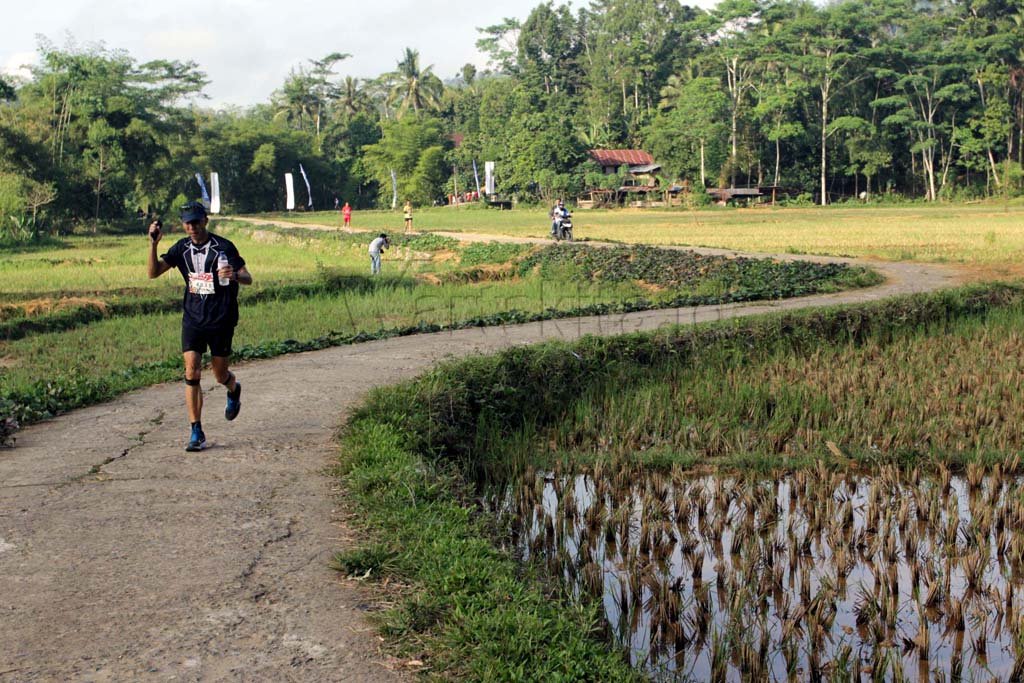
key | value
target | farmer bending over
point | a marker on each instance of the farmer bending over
(376, 246)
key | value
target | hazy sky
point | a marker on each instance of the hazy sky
(246, 48)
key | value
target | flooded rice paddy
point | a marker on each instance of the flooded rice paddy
(816, 575)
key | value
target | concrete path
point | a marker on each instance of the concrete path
(124, 558)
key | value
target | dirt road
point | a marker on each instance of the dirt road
(124, 558)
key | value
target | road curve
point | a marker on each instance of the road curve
(124, 558)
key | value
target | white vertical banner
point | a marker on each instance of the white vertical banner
(476, 177)
(202, 188)
(489, 177)
(289, 188)
(309, 192)
(214, 192)
(394, 190)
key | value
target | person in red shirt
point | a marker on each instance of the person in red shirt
(346, 214)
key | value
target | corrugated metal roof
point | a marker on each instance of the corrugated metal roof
(646, 168)
(618, 157)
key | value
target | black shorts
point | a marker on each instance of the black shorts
(219, 341)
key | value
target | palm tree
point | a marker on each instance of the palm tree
(413, 87)
(673, 88)
(671, 91)
(352, 98)
(295, 102)
(379, 91)
(305, 93)
(322, 89)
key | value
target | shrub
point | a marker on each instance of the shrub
(492, 252)
(698, 197)
(22, 201)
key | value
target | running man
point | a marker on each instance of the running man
(212, 270)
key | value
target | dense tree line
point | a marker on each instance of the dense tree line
(906, 98)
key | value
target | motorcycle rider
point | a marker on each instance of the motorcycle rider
(558, 212)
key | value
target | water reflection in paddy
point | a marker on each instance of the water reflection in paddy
(815, 575)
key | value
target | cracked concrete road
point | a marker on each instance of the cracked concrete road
(124, 558)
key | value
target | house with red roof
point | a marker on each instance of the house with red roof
(637, 186)
(637, 160)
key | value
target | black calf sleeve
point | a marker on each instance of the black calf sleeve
(192, 382)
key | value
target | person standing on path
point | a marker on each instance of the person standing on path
(408, 216)
(212, 270)
(380, 243)
(346, 214)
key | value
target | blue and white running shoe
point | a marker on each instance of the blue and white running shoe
(197, 441)
(234, 402)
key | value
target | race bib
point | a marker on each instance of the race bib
(200, 283)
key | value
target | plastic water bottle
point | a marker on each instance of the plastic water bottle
(222, 262)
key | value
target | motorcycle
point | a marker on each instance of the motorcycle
(563, 228)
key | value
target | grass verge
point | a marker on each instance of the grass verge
(475, 613)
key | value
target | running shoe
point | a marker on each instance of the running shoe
(197, 441)
(234, 402)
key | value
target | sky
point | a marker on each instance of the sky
(247, 48)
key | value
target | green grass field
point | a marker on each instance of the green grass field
(989, 234)
(106, 264)
(83, 320)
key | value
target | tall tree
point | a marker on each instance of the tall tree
(500, 43)
(105, 121)
(826, 49)
(7, 91)
(323, 88)
(927, 85)
(688, 135)
(992, 49)
(415, 87)
(926, 96)
(737, 47)
(307, 93)
(400, 149)
(775, 110)
(548, 48)
(351, 99)
(295, 102)
(632, 46)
